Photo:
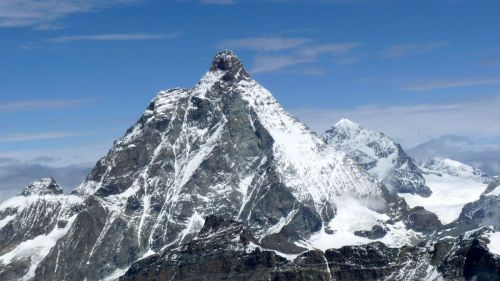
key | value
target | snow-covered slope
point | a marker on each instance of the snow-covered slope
(453, 185)
(31, 224)
(379, 155)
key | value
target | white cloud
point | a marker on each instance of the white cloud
(314, 72)
(336, 49)
(28, 105)
(276, 53)
(39, 136)
(114, 37)
(301, 55)
(400, 50)
(60, 157)
(263, 44)
(45, 14)
(267, 63)
(445, 84)
(414, 124)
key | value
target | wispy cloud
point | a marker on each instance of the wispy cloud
(39, 136)
(114, 37)
(446, 84)
(263, 44)
(336, 49)
(302, 55)
(415, 123)
(45, 14)
(268, 63)
(400, 50)
(29, 105)
(314, 72)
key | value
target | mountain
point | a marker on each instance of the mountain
(218, 182)
(379, 155)
(441, 186)
(483, 156)
(223, 147)
(31, 224)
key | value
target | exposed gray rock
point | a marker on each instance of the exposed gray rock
(422, 220)
(470, 259)
(42, 187)
(376, 232)
(483, 212)
(495, 182)
(225, 250)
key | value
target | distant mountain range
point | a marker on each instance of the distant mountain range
(485, 157)
(218, 182)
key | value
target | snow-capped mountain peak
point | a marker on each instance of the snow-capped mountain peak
(347, 125)
(41, 187)
(456, 169)
(378, 154)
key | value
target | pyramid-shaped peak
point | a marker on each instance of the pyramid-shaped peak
(346, 123)
(228, 62)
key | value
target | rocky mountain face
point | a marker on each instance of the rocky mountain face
(218, 182)
(225, 250)
(31, 224)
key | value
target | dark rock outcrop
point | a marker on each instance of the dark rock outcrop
(422, 220)
(224, 250)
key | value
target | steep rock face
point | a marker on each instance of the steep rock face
(226, 250)
(30, 225)
(224, 147)
(483, 212)
(492, 188)
(222, 250)
(379, 155)
(470, 259)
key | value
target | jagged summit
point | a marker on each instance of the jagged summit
(41, 187)
(228, 62)
(378, 154)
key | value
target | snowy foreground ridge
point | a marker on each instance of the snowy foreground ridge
(218, 182)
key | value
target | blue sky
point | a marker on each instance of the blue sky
(75, 74)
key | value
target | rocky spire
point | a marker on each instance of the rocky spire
(42, 187)
(228, 62)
